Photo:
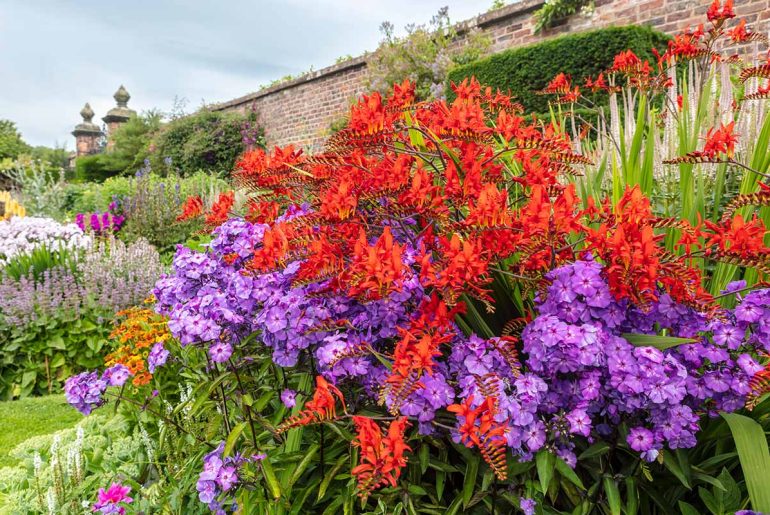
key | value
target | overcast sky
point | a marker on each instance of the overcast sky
(57, 55)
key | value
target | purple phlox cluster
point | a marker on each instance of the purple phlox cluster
(478, 366)
(218, 479)
(109, 501)
(433, 393)
(597, 379)
(85, 391)
(157, 357)
(211, 300)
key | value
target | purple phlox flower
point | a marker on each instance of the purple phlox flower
(640, 439)
(527, 506)
(289, 398)
(84, 391)
(220, 352)
(157, 357)
(116, 375)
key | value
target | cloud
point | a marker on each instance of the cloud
(58, 55)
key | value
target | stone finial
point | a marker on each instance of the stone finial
(121, 96)
(87, 113)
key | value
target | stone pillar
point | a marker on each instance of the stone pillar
(118, 115)
(87, 134)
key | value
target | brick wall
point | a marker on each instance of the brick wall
(301, 111)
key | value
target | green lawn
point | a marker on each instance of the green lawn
(25, 418)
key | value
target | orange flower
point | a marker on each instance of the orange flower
(381, 458)
(138, 330)
(717, 14)
(322, 407)
(192, 208)
(720, 141)
(221, 209)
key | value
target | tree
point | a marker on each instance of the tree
(131, 141)
(11, 144)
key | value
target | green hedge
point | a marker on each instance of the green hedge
(522, 71)
(95, 168)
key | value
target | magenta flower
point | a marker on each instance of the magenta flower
(108, 500)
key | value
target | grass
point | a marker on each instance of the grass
(26, 418)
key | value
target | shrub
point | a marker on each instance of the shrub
(206, 140)
(41, 189)
(153, 204)
(55, 322)
(523, 71)
(58, 471)
(96, 168)
(424, 56)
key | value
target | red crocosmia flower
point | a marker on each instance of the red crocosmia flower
(626, 62)
(339, 202)
(468, 90)
(490, 209)
(381, 457)
(720, 141)
(192, 208)
(736, 237)
(559, 85)
(627, 244)
(369, 116)
(419, 345)
(221, 209)
(403, 95)
(376, 270)
(684, 46)
(262, 212)
(322, 407)
(739, 34)
(479, 429)
(717, 14)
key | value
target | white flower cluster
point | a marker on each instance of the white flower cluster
(23, 235)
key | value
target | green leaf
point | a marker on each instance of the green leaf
(687, 509)
(331, 475)
(233, 437)
(613, 495)
(712, 503)
(597, 449)
(471, 471)
(632, 496)
(751, 443)
(546, 463)
(270, 479)
(653, 340)
(568, 473)
(672, 464)
(57, 342)
(303, 465)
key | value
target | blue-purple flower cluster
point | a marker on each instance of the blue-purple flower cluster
(218, 479)
(209, 301)
(597, 379)
(85, 391)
